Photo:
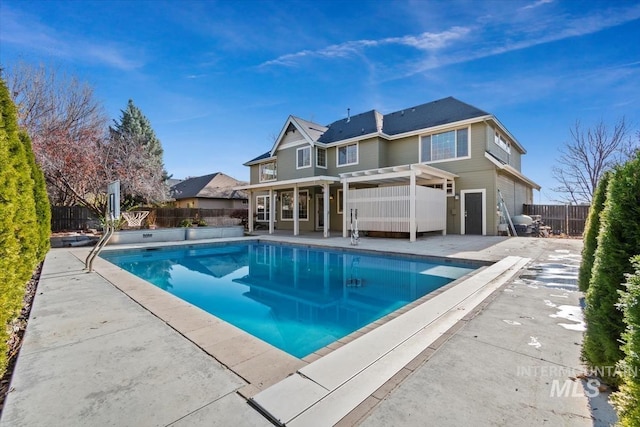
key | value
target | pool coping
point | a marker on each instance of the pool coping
(260, 364)
(327, 390)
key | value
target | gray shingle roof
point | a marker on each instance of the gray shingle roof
(435, 113)
(360, 124)
(442, 111)
(213, 186)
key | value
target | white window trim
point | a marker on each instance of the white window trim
(357, 144)
(260, 171)
(266, 211)
(306, 192)
(310, 162)
(339, 201)
(452, 159)
(325, 157)
(507, 144)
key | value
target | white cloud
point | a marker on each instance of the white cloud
(423, 42)
(537, 4)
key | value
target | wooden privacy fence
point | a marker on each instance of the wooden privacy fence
(563, 219)
(74, 218)
(71, 218)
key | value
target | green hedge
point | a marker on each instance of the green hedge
(618, 241)
(591, 233)
(627, 400)
(21, 231)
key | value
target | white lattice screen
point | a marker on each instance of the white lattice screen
(387, 208)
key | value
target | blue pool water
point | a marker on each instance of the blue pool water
(296, 298)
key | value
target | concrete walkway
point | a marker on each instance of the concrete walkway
(93, 356)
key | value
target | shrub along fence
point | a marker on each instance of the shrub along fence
(74, 218)
(563, 219)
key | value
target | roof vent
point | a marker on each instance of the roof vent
(348, 115)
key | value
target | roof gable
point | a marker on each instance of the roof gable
(440, 112)
(309, 131)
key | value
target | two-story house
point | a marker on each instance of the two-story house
(438, 166)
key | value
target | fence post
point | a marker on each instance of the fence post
(566, 219)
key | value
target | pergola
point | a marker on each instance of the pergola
(415, 175)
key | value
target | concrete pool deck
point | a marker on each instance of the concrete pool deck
(94, 355)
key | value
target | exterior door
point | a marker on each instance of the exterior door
(473, 217)
(319, 211)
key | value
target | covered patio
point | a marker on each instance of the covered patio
(294, 185)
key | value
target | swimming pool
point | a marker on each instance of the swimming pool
(296, 298)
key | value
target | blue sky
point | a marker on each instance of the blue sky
(219, 79)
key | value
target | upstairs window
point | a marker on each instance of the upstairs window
(268, 171)
(303, 156)
(321, 157)
(502, 143)
(442, 146)
(348, 155)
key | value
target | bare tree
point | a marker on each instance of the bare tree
(72, 142)
(586, 156)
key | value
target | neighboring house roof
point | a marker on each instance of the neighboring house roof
(172, 181)
(213, 186)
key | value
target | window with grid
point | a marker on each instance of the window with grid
(303, 157)
(445, 146)
(321, 157)
(348, 155)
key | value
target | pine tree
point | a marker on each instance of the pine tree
(138, 153)
(618, 241)
(591, 233)
(136, 127)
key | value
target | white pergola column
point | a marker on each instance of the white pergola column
(325, 203)
(412, 207)
(272, 210)
(345, 192)
(250, 212)
(444, 187)
(296, 213)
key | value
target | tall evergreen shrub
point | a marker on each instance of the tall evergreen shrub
(618, 241)
(10, 276)
(627, 399)
(41, 198)
(591, 233)
(21, 236)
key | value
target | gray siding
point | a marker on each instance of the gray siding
(287, 162)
